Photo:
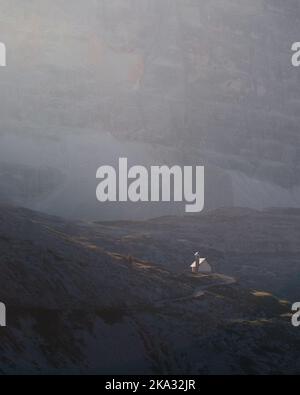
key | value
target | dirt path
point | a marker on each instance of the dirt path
(200, 291)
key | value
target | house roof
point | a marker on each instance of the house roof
(201, 260)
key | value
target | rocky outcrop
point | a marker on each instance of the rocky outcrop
(194, 82)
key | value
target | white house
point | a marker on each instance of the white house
(200, 265)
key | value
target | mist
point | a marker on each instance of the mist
(172, 82)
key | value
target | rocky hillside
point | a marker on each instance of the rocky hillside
(260, 248)
(76, 303)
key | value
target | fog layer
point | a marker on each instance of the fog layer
(188, 82)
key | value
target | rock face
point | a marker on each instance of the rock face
(77, 305)
(194, 82)
(28, 185)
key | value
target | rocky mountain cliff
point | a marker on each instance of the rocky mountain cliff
(179, 82)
